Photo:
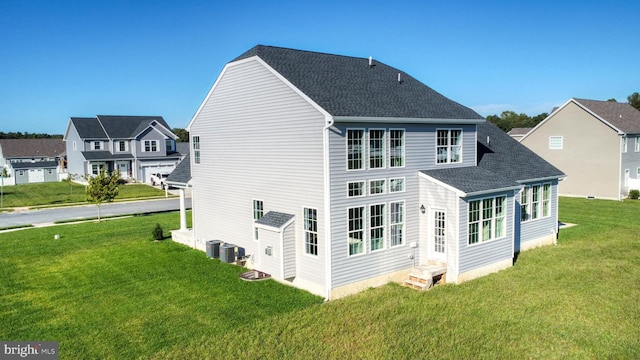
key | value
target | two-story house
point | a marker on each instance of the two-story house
(32, 160)
(136, 146)
(336, 173)
(597, 144)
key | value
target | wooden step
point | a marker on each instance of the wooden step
(415, 285)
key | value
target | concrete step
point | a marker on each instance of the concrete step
(415, 285)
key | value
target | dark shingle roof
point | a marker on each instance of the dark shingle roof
(126, 127)
(24, 148)
(104, 155)
(274, 219)
(88, 128)
(519, 131)
(34, 165)
(503, 162)
(621, 115)
(182, 173)
(348, 86)
(114, 127)
(471, 179)
(506, 156)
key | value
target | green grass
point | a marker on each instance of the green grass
(106, 291)
(61, 193)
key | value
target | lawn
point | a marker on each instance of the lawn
(106, 291)
(60, 193)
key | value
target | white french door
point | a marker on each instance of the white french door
(438, 235)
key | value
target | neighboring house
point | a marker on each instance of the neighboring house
(136, 146)
(596, 143)
(32, 160)
(336, 173)
(519, 133)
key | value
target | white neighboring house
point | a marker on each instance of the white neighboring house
(335, 173)
(136, 146)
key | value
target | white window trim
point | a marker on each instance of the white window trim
(404, 147)
(384, 227)
(151, 142)
(493, 219)
(364, 149)
(117, 146)
(627, 175)
(384, 148)
(94, 142)
(404, 224)
(529, 204)
(364, 189)
(195, 146)
(449, 146)
(253, 216)
(384, 187)
(305, 233)
(637, 145)
(404, 185)
(624, 144)
(363, 230)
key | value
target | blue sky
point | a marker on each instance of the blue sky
(83, 58)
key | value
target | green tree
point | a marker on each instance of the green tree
(183, 135)
(103, 188)
(634, 100)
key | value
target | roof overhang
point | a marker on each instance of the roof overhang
(463, 194)
(405, 120)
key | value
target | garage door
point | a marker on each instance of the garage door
(36, 175)
(148, 170)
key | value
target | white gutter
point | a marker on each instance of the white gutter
(327, 205)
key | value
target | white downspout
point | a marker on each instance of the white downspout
(327, 206)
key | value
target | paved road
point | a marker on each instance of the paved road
(44, 216)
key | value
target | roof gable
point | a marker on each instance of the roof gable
(624, 117)
(349, 87)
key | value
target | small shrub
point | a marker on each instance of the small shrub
(634, 194)
(158, 233)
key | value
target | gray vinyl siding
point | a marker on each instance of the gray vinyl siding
(420, 154)
(289, 251)
(535, 229)
(258, 140)
(270, 263)
(150, 134)
(485, 253)
(75, 160)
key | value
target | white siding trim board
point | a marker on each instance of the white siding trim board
(391, 120)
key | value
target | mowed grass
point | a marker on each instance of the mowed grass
(60, 193)
(106, 291)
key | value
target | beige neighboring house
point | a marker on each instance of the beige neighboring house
(596, 143)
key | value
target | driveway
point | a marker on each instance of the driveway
(51, 215)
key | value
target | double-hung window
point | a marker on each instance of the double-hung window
(487, 219)
(377, 228)
(122, 146)
(258, 213)
(150, 146)
(97, 145)
(377, 149)
(637, 147)
(355, 149)
(356, 230)
(195, 144)
(535, 202)
(448, 146)
(396, 148)
(624, 144)
(396, 220)
(311, 231)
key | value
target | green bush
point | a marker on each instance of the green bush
(634, 194)
(157, 233)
